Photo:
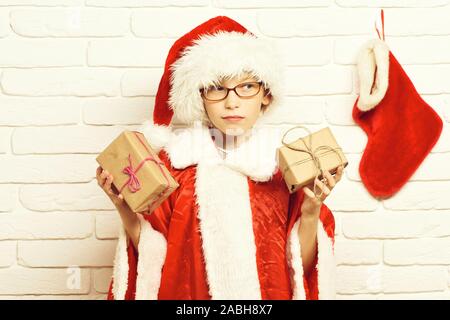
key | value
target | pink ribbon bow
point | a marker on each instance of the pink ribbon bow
(133, 181)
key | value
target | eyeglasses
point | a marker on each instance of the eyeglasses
(243, 90)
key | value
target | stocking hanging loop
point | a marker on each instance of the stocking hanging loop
(381, 36)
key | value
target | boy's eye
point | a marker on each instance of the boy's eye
(247, 86)
(213, 88)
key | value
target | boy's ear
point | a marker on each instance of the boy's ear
(267, 99)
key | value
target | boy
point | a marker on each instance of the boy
(231, 230)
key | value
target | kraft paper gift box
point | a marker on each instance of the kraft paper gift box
(301, 161)
(138, 173)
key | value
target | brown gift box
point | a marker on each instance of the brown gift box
(145, 182)
(320, 150)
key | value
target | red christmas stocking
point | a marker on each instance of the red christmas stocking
(401, 127)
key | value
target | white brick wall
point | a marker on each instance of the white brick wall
(74, 73)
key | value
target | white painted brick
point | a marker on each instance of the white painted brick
(440, 104)
(153, 23)
(406, 21)
(417, 251)
(318, 80)
(359, 296)
(47, 169)
(141, 82)
(430, 168)
(355, 78)
(118, 111)
(338, 110)
(147, 3)
(421, 50)
(65, 253)
(443, 144)
(46, 3)
(70, 22)
(445, 105)
(42, 53)
(358, 279)
(396, 225)
(74, 139)
(21, 281)
(445, 295)
(57, 82)
(352, 170)
(376, 279)
(397, 296)
(421, 195)
(314, 22)
(107, 225)
(102, 279)
(8, 197)
(296, 110)
(337, 224)
(39, 111)
(7, 252)
(5, 139)
(391, 3)
(414, 279)
(33, 225)
(65, 197)
(4, 23)
(350, 196)
(429, 79)
(411, 50)
(233, 4)
(358, 252)
(346, 49)
(128, 53)
(305, 51)
(351, 139)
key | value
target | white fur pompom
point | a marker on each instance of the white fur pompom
(158, 136)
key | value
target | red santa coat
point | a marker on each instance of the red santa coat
(230, 231)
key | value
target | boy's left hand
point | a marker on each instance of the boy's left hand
(311, 204)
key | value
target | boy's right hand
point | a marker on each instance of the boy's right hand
(104, 180)
(129, 219)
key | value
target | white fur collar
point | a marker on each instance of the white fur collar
(255, 158)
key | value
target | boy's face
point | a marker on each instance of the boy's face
(249, 108)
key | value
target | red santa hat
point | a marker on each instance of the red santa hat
(218, 48)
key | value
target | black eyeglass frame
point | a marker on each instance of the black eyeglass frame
(202, 91)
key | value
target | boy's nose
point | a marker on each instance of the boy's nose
(232, 101)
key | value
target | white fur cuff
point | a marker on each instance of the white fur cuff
(373, 57)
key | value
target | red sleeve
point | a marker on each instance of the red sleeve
(327, 220)
(159, 220)
(310, 280)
